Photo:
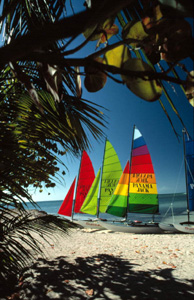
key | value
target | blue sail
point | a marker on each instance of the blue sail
(189, 156)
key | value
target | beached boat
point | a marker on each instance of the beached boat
(184, 226)
(188, 225)
(104, 184)
(168, 227)
(167, 223)
(136, 192)
(78, 190)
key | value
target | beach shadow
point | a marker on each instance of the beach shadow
(100, 277)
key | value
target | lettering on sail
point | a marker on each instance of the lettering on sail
(109, 185)
(142, 178)
(83, 190)
(142, 187)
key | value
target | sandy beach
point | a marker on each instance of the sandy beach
(89, 264)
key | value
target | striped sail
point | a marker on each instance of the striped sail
(104, 184)
(189, 160)
(85, 178)
(118, 203)
(143, 196)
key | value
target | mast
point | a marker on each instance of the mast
(130, 163)
(186, 179)
(99, 194)
(73, 205)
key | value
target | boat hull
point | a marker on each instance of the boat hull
(168, 227)
(92, 224)
(149, 228)
(185, 228)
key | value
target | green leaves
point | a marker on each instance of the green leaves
(189, 90)
(134, 30)
(95, 79)
(149, 90)
(117, 56)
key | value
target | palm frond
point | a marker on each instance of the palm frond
(18, 243)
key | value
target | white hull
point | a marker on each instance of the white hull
(93, 224)
(168, 227)
(142, 228)
(186, 228)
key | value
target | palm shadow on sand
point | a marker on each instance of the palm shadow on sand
(102, 277)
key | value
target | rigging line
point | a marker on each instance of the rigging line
(177, 181)
(189, 170)
(172, 202)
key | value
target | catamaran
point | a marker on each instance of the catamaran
(136, 192)
(188, 225)
(78, 191)
(104, 184)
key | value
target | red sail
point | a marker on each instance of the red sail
(85, 180)
(66, 207)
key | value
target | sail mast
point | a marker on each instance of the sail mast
(186, 179)
(130, 164)
(99, 194)
(73, 205)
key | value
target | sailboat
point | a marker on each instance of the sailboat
(78, 192)
(184, 226)
(104, 184)
(188, 225)
(136, 191)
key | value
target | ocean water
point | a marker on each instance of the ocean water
(167, 204)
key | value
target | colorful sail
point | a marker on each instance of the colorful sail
(118, 203)
(104, 184)
(111, 172)
(85, 180)
(90, 204)
(189, 160)
(143, 196)
(66, 207)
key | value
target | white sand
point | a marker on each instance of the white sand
(105, 265)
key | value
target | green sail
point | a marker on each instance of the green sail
(111, 172)
(90, 204)
(118, 203)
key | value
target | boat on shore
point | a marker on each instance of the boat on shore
(78, 192)
(185, 226)
(103, 186)
(188, 225)
(136, 192)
